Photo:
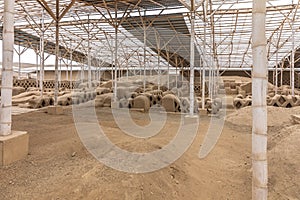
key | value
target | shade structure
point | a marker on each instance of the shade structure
(228, 23)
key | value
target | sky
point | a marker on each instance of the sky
(27, 57)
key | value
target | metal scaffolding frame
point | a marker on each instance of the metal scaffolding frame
(222, 35)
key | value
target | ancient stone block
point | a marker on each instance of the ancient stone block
(141, 102)
(171, 103)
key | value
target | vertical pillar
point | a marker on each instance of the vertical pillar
(67, 70)
(293, 59)
(158, 70)
(19, 54)
(116, 51)
(281, 72)
(192, 57)
(56, 52)
(37, 68)
(168, 73)
(99, 71)
(200, 74)
(204, 53)
(42, 54)
(144, 48)
(127, 70)
(259, 103)
(7, 67)
(182, 71)
(176, 79)
(13, 144)
(89, 56)
(112, 60)
(59, 74)
(276, 67)
(71, 64)
(82, 72)
(210, 74)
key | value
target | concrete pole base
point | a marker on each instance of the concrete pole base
(191, 119)
(55, 110)
(202, 112)
(13, 147)
(115, 105)
(228, 102)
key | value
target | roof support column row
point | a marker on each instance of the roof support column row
(56, 17)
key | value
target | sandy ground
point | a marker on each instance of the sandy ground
(59, 167)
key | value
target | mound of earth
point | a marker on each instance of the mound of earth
(277, 118)
(284, 162)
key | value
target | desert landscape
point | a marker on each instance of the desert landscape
(149, 100)
(59, 166)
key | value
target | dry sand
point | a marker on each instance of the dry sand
(277, 117)
(59, 166)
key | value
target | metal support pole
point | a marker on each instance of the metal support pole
(116, 51)
(203, 88)
(82, 72)
(200, 74)
(19, 54)
(217, 82)
(276, 67)
(112, 61)
(210, 74)
(158, 70)
(89, 56)
(204, 53)
(182, 72)
(145, 45)
(67, 73)
(214, 62)
(168, 73)
(176, 79)
(59, 75)
(99, 74)
(281, 72)
(151, 69)
(37, 68)
(71, 64)
(127, 70)
(192, 57)
(293, 60)
(42, 53)
(56, 52)
(259, 102)
(7, 68)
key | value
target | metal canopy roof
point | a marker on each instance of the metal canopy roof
(33, 42)
(143, 4)
(167, 35)
(231, 32)
(228, 33)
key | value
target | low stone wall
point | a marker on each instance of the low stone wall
(49, 84)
